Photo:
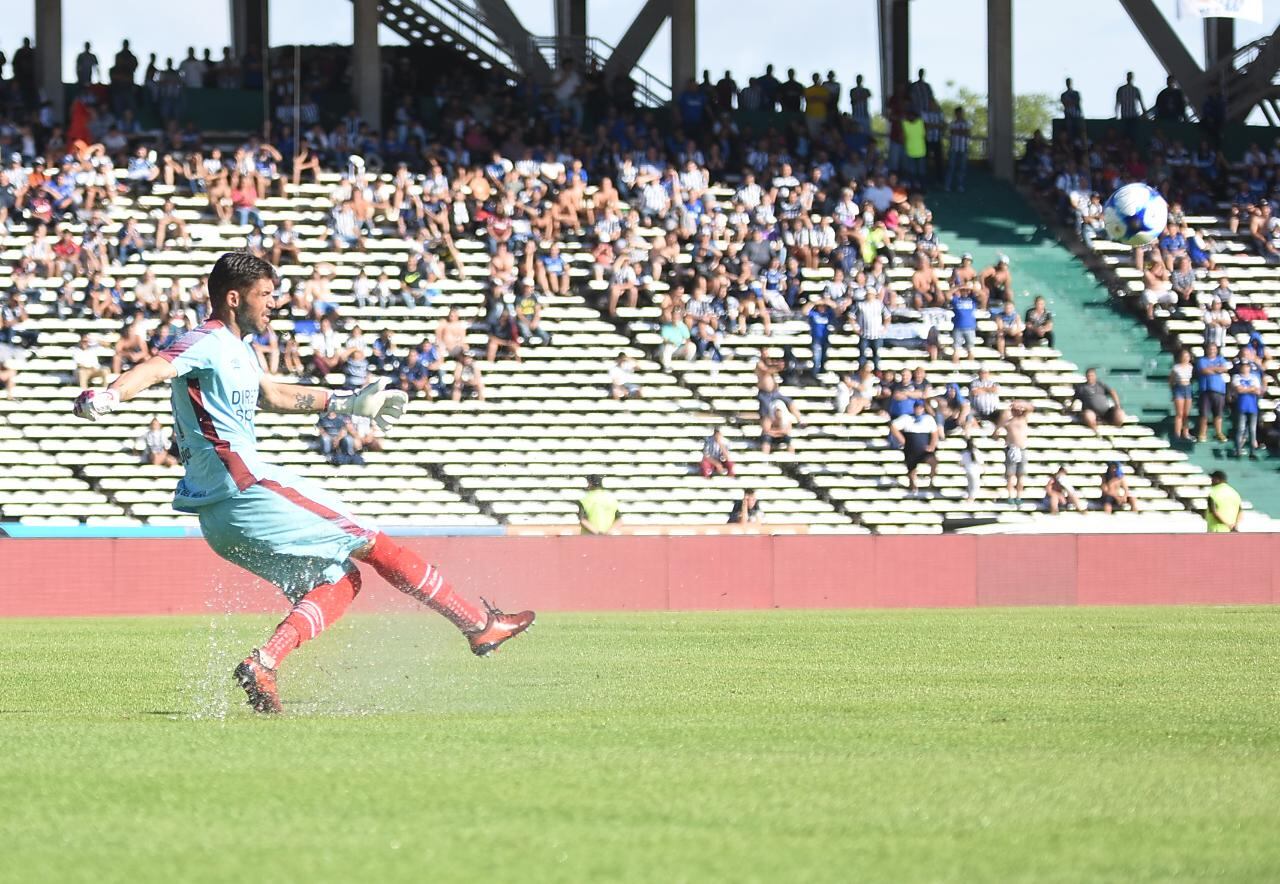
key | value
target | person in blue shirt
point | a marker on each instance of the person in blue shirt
(693, 106)
(1248, 387)
(1212, 371)
(964, 323)
(1172, 244)
(821, 316)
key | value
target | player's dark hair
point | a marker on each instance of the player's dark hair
(595, 482)
(1218, 476)
(237, 270)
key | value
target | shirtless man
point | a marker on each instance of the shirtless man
(924, 286)
(451, 334)
(1015, 429)
(997, 283)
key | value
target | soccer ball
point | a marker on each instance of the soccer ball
(1135, 214)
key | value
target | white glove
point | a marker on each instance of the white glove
(372, 401)
(91, 404)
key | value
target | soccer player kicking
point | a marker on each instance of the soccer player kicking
(284, 528)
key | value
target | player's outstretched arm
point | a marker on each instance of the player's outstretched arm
(92, 404)
(292, 398)
(373, 401)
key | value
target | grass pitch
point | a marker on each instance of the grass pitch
(1031, 744)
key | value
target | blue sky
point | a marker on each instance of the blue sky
(1092, 41)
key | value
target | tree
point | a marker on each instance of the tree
(1032, 112)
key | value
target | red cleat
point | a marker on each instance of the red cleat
(259, 683)
(498, 627)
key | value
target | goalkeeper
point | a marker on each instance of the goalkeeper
(283, 528)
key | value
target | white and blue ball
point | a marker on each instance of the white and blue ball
(1135, 214)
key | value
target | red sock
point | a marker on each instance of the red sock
(414, 577)
(318, 610)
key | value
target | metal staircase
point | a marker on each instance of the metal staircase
(1240, 76)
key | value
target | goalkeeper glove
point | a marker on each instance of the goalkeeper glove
(91, 404)
(374, 401)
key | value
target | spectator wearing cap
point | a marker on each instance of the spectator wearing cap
(717, 458)
(1212, 371)
(1224, 507)
(917, 435)
(1115, 490)
(1098, 402)
(996, 283)
(746, 510)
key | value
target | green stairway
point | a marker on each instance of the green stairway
(991, 217)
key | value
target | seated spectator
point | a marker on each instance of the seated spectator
(355, 371)
(9, 377)
(87, 358)
(1008, 328)
(326, 349)
(1098, 402)
(1264, 230)
(677, 341)
(528, 311)
(266, 346)
(984, 395)
(156, 445)
(1157, 289)
(1037, 325)
(623, 382)
(467, 379)
(1115, 490)
(717, 458)
(995, 283)
(917, 435)
(365, 433)
(130, 242)
(170, 228)
(131, 347)
(162, 338)
(290, 358)
(852, 396)
(244, 201)
(142, 171)
(746, 510)
(337, 442)
(1059, 492)
(1092, 223)
(1183, 282)
(778, 414)
(504, 333)
(414, 376)
(451, 335)
(553, 271)
(284, 244)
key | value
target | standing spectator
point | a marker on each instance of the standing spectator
(1037, 325)
(873, 315)
(1072, 110)
(1129, 105)
(716, 457)
(971, 462)
(1115, 490)
(1217, 319)
(860, 104)
(87, 69)
(917, 435)
(958, 151)
(747, 509)
(817, 101)
(155, 446)
(964, 321)
(1248, 388)
(1097, 402)
(1224, 509)
(1213, 370)
(598, 511)
(1171, 104)
(822, 316)
(1015, 428)
(920, 93)
(1059, 492)
(1180, 389)
(914, 145)
(192, 70)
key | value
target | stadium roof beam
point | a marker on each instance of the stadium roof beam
(1168, 48)
(1254, 83)
(49, 53)
(571, 31)
(506, 26)
(1219, 40)
(249, 20)
(644, 27)
(366, 62)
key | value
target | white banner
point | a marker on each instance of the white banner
(1250, 10)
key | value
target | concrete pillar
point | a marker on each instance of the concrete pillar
(366, 63)
(684, 44)
(249, 20)
(895, 42)
(571, 31)
(1219, 40)
(1000, 87)
(49, 54)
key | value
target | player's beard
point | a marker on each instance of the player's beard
(254, 322)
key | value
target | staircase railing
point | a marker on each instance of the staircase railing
(592, 54)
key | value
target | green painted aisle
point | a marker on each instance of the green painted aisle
(992, 218)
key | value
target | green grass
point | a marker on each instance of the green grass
(1031, 744)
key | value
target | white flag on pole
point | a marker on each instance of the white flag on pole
(1250, 10)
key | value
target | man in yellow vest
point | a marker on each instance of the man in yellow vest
(914, 145)
(1224, 510)
(598, 509)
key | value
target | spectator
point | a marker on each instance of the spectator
(917, 435)
(598, 511)
(984, 394)
(1059, 492)
(971, 461)
(326, 349)
(1037, 326)
(1180, 389)
(716, 456)
(1224, 509)
(131, 347)
(1016, 428)
(9, 377)
(528, 312)
(623, 381)
(1213, 370)
(87, 358)
(822, 315)
(746, 510)
(414, 376)
(964, 321)
(1072, 110)
(995, 283)
(1097, 402)
(355, 370)
(1129, 105)
(266, 346)
(872, 317)
(854, 395)
(778, 414)
(156, 445)
(1008, 328)
(958, 151)
(1115, 490)
(337, 442)
(1248, 388)
(87, 70)
(1171, 104)
(1158, 290)
(1217, 320)
(468, 380)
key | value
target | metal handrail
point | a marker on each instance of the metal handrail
(594, 53)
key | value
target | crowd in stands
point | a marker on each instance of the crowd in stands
(521, 170)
